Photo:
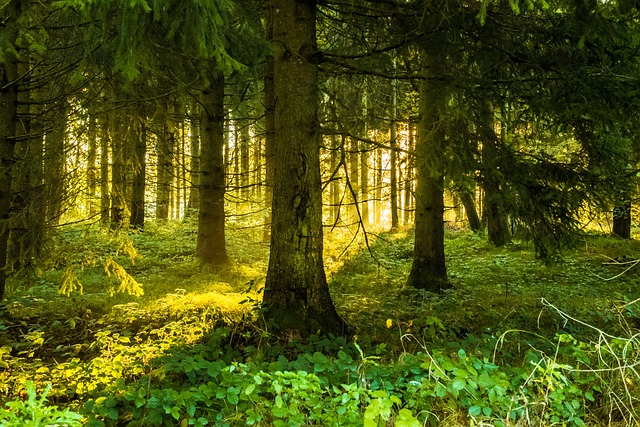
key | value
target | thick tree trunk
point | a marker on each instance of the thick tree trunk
(211, 246)
(429, 270)
(497, 223)
(296, 295)
(138, 138)
(622, 220)
(8, 123)
(269, 126)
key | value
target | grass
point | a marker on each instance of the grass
(496, 307)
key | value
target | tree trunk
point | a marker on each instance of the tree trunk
(428, 270)
(364, 184)
(8, 126)
(194, 192)
(118, 177)
(105, 199)
(622, 220)
(138, 137)
(92, 150)
(393, 133)
(467, 199)
(166, 142)
(54, 164)
(497, 223)
(211, 247)
(296, 294)
(377, 203)
(408, 184)
(269, 125)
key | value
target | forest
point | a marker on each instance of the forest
(319, 213)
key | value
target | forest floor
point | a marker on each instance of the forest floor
(513, 342)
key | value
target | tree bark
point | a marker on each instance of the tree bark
(194, 192)
(269, 125)
(622, 220)
(118, 174)
(105, 200)
(393, 134)
(166, 142)
(211, 247)
(8, 126)
(408, 184)
(497, 223)
(467, 199)
(296, 295)
(138, 137)
(429, 270)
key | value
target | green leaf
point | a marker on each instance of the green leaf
(406, 419)
(459, 384)
(475, 411)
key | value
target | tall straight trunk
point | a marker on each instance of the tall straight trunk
(269, 126)
(296, 294)
(105, 199)
(408, 183)
(334, 186)
(245, 169)
(364, 185)
(138, 138)
(54, 164)
(8, 126)
(166, 142)
(257, 178)
(92, 150)
(497, 224)
(118, 177)
(28, 225)
(353, 157)
(194, 165)
(429, 270)
(393, 133)
(377, 203)
(210, 245)
(622, 220)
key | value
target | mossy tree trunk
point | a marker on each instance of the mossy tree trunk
(194, 162)
(428, 270)
(296, 295)
(211, 247)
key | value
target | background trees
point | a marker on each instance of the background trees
(523, 115)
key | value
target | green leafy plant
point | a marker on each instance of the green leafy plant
(33, 411)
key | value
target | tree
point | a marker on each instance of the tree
(296, 295)
(428, 270)
(210, 248)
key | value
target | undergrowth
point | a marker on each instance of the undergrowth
(160, 342)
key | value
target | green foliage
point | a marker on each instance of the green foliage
(34, 412)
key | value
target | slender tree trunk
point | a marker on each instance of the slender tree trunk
(353, 156)
(245, 169)
(364, 185)
(296, 295)
(377, 204)
(408, 183)
(194, 192)
(428, 270)
(105, 199)
(118, 177)
(622, 220)
(497, 224)
(92, 151)
(334, 186)
(138, 136)
(394, 158)
(211, 247)
(8, 123)
(166, 142)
